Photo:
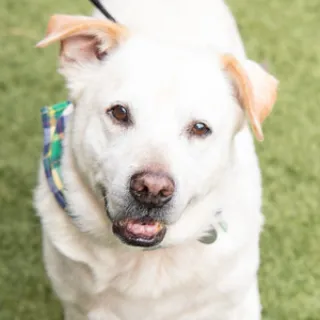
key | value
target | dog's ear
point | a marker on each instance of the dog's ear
(82, 39)
(255, 88)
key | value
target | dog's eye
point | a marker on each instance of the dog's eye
(119, 113)
(199, 129)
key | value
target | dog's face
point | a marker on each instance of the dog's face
(157, 133)
(153, 127)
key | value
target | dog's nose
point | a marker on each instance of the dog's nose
(153, 189)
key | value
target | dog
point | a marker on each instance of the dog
(161, 198)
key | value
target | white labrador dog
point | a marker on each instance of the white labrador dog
(161, 178)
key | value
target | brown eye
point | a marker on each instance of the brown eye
(119, 113)
(200, 129)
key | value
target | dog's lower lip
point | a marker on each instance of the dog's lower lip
(144, 232)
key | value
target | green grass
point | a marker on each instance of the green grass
(283, 32)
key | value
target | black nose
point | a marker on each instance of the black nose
(152, 189)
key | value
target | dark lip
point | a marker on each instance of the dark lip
(105, 200)
(126, 237)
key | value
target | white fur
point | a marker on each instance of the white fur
(167, 84)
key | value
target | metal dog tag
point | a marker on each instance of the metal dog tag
(210, 237)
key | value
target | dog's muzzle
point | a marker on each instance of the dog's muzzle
(143, 224)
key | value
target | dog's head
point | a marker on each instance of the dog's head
(154, 126)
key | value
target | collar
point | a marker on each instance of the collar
(54, 121)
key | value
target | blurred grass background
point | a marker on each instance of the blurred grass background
(283, 32)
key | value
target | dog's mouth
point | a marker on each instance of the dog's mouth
(139, 232)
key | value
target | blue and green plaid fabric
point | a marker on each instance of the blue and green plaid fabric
(54, 120)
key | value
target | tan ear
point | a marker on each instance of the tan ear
(256, 90)
(81, 37)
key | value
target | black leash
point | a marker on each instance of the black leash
(102, 9)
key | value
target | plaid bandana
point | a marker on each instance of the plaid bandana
(54, 119)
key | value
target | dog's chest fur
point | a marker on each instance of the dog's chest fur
(152, 285)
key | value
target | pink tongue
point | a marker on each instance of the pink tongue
(146, 230)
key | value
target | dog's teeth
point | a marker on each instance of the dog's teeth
(122, 222)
